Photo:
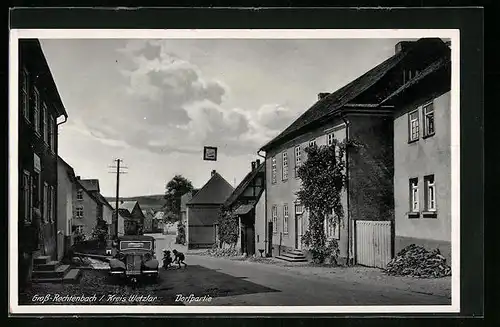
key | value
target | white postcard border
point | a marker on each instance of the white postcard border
(16, 34)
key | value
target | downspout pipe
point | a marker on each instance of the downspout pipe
(349, 232)
(265, 213)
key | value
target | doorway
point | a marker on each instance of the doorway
(298, 231)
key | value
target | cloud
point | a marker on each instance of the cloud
(167, 105)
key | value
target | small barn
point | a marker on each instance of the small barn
(247, 202)
(203, 210)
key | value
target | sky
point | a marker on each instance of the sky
(156, 103)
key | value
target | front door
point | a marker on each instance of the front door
(250, 240)
(270, 238)
(298, 231)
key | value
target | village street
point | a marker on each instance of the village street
(289, 285)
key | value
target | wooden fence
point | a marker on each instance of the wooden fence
(373, 243)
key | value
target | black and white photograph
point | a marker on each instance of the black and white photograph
(198, 171)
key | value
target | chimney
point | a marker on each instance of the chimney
(322, 95)
(213, 172)
(402, 46)
(257, 163)
(253, 165)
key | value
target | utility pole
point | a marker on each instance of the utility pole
(117, 199)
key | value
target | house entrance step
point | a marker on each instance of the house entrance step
(291, 259)
(59, 272)
(41, 260)
(71, 277)
(49, 266)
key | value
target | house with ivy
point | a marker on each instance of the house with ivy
(386, 119)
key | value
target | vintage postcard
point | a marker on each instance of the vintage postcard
(234, 171)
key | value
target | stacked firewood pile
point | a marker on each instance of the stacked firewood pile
(416, 261)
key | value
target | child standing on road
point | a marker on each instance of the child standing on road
(179, 258)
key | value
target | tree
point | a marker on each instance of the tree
(228, 228)
(323, 179)
(174, 190)
(100, 231)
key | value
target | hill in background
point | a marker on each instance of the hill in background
(146, 202)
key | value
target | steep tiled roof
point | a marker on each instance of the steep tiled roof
(244, 183)
(91, 184)
(215, 191)
(332, 103)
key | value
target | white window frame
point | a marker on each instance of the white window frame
(414, 126)
(45, 123)
(332, 230)
(428, 111)
(275, 218)
(27, 201)
(285, 218)
(52, 204)
(79, 212)
(25, 93)
(274, 170)
(414, 203)
(299, 209)
(79, 229)
(298, 158)
(430, 188)
(45, 216)
(36, 110)
(312, 142)
(329, 138)
(79, 195)
(284, 172)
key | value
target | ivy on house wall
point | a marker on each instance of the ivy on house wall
(322, 181)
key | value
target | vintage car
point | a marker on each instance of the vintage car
(135, 258)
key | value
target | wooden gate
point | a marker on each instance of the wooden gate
(373, 243)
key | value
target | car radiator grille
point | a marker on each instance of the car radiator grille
(134, 263)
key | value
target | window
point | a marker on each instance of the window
(27, 197)
(79, 229)
(414, 195)
(45, 202)
(275, 219)
(285, 166)
(36, 110)
(79, 212)
(312, 143)
(332, 228)
(45, 127)
(25, 94)
(52, 133)
(299, 209)
(52, 205)
(430, 193)
(329, 139)
(285, 219)
(298, 158)
(428, 110)
(79, 195)
(413, 126)
(273, 168)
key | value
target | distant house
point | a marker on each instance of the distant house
(248, 203)
(132, 216)
(184, 200)
(149, 221)
(158, 218)
(104, 209)
(66, 188)
(203, 210)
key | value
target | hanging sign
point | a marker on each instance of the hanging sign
(210, 153)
